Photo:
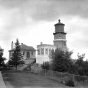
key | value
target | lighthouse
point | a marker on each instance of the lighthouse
(60, 36)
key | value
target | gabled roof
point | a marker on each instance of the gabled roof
(25, 47)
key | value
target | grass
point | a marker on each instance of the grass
(24, 79)
(20, 79)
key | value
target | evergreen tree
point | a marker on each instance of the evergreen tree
(2, 60)
(17, 58)
(61, 60)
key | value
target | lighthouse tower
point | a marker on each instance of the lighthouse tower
(60, 36)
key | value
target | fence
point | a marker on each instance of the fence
(61, 77)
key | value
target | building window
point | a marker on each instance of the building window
(49, 50)
(28, 55)
(53, 50)
(64, 44)
(38, 51)
(59, 35)
(31, 53)
(46, 51)
(42, 51)
(11, 53)
(23, 52)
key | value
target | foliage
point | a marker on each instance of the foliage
(61, 60)
(79, 78)
(70, 83)
(2, 59)
(80, 61)
(16, 58)
(46, 65)
(81, 65)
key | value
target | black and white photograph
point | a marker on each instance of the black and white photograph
(43, 43)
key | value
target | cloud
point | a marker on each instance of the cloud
(48, 10)
(77, 32)
(11, 22)
(20, 18)
(53, 9)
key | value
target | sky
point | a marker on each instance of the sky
(32, 22)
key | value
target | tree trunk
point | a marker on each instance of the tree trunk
(16, 67)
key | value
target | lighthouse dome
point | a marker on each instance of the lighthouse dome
(59, 27)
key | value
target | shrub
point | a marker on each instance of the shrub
(45, 65)
(70, 83)
(80, 78)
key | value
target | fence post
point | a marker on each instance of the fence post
(45, 72)
(39, 72)
(73, 78)
(61, 77)
(52, 73)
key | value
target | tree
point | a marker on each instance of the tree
(46, 65)
(61, 60)
(17, 58)
(2, 59)
(80, 61)
(81, 65)
(85, 68)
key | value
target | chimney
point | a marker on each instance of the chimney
(12, 45)
(41, 43)
(21, 43)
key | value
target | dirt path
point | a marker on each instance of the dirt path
(2, 84)
(29, 80)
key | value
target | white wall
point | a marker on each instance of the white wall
(45, 57)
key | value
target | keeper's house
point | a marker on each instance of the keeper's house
(28, 51)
